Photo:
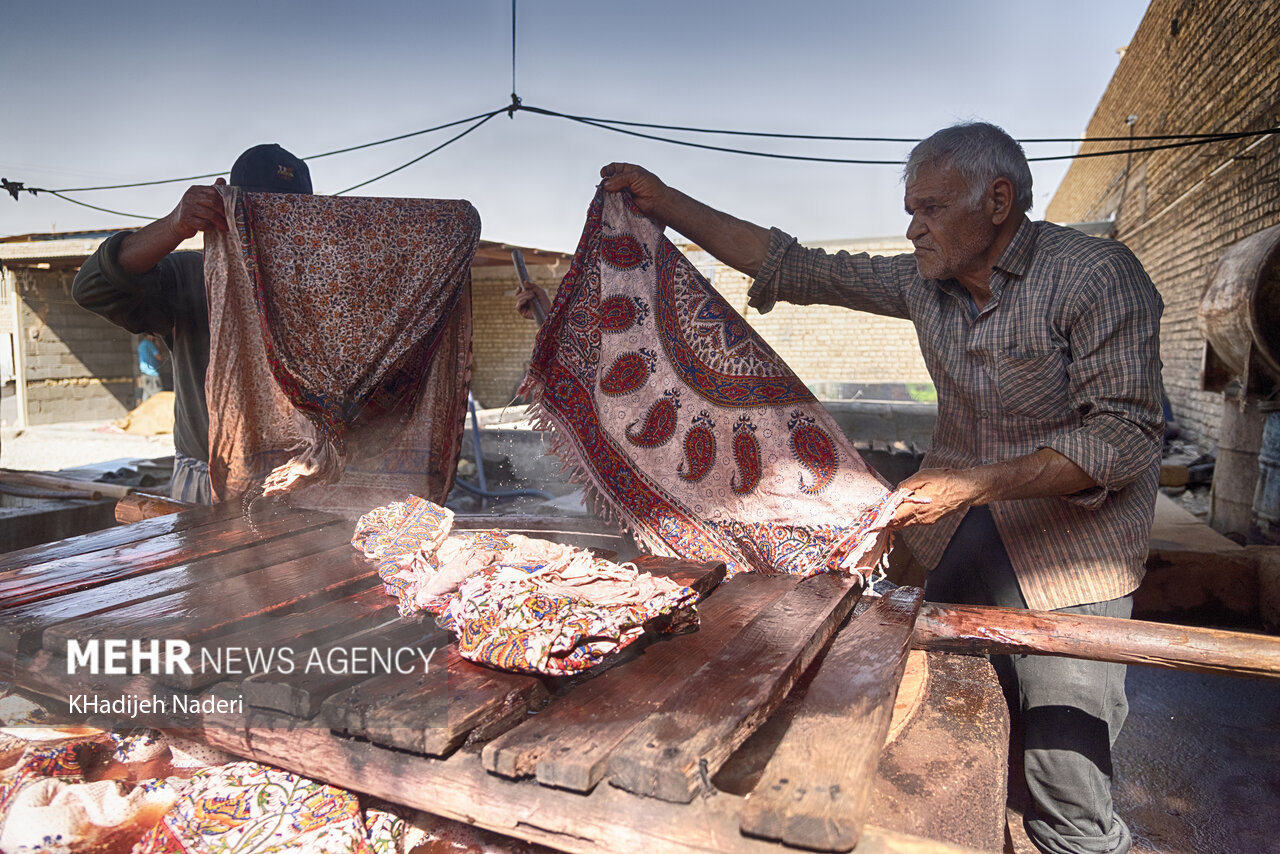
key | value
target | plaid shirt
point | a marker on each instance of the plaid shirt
(1065, 355)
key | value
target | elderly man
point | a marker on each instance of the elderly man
(1039, 488)
(138, 282)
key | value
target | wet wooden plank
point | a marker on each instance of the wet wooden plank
(435, 713)
(815, 789)
(569, 743)
(674, 753)
(104, 566)
(300, 631)
(231, 604)
(118, 536)
(607, 820)
(23, 627)
(315, 674)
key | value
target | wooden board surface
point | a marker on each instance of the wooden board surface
(813, 793)
(686, 739)
(657, 720)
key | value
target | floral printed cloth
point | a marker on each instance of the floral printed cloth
(75, 789)
(515, 602)
(687, 424)
(340, 334)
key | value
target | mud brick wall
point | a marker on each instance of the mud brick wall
(1192, 67)
(829, 346)
(79, 367)
(501, 340)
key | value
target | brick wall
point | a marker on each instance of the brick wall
(1192, 67)
(826, 346)
(79, 367)
(501, 340)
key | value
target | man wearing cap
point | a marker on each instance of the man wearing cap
(138, 282)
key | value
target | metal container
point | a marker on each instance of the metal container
(1240, 312)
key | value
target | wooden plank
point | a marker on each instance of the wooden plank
(300, 689)
(701, 576)
(569, 743)
(316, 626)
(814, 791)
(435, 714)
(23, 627)
(81, 572)
(115, 537)
(234, 604)
(993, 630)
(606, 821)
(674, 753)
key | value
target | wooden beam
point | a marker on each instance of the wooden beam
(992, 630)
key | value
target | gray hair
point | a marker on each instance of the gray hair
(981, 153)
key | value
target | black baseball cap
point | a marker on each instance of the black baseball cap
(269, 168)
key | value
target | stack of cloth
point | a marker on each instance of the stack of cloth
(515, 602)
(340, 346)
(74, 789)
(686, 424)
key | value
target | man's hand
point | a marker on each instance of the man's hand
(646, 188)
(936, 492)
(527, 295)
(933, 493)
(200, 209)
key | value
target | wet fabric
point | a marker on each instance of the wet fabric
(515, 602)
(686, 423)
(339, 345)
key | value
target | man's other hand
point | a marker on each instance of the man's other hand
(933, 493)
(527, 295)
(646, 188)
(199, 210)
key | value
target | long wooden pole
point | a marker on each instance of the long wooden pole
(990, 629)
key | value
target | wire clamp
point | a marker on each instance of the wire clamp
(515, 105)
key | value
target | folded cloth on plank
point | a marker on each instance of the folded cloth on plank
(516, 602)
(686, 423)
(340, 345)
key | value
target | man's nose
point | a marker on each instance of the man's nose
(915, 229)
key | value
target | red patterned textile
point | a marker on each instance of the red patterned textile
(340, 336)
(686, 422)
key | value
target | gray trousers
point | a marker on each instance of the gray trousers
(1070, 710)
(190, 481)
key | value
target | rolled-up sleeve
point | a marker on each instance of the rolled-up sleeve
(1114, 376)
(135, 303)
(803, 276)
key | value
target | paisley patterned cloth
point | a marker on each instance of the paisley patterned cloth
(515, 602)
(687, 424)
(77, 789)
(340, 334)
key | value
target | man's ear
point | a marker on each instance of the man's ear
(1000, 195)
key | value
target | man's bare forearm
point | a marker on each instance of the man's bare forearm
(934, 493)
(738, 243)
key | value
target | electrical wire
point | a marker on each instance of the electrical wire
(95, 207)
(449, 141)
(898, 139)
(1197, 140)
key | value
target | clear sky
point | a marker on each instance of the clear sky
(148, 89)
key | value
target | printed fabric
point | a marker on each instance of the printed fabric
(340, 334)
(72, 789)
(686, 423)
(515, 602)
